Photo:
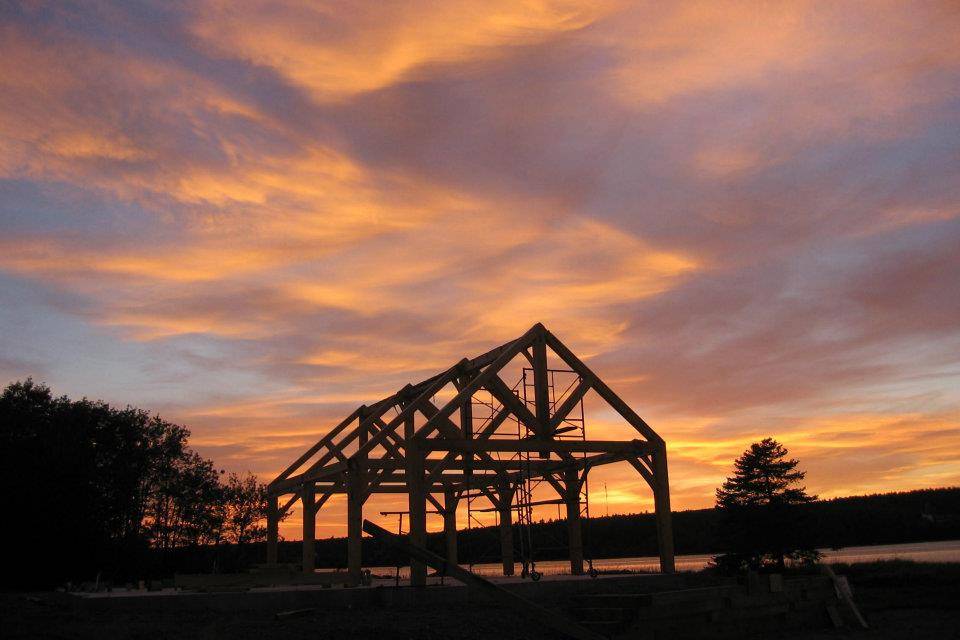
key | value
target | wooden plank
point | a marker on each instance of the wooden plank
(845, 594)
(293, 613)
(552, 619)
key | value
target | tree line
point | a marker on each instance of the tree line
(92, 490)
(913, 516)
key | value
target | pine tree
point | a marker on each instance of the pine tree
(762, 522)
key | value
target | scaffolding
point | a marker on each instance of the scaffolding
(466, 434)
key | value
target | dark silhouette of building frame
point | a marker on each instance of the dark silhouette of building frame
(407, 444)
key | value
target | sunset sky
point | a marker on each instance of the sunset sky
(253, 217)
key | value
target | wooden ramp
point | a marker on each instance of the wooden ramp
(551, 619)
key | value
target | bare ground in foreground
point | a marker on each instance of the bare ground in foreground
(899, 599)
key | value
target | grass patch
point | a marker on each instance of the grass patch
(901, 573)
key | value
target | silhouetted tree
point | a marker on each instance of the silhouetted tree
(760, 522)
(246, 505)
(89, 487)
(186, 504)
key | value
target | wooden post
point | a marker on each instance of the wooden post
(307, 499)
(505, 509)
(541, 387)
(354, 525)
(661, 498)
(450, 501)
(418, 502)
(466, 425)
(541, 392)
(571, 499)
(273, 529)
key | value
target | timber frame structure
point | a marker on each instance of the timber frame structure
(407, 444)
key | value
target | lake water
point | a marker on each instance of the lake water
(942, 551)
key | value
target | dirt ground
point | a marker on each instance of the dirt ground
(898, 603)
(28, 618)
(901, 600)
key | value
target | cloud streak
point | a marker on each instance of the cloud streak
(254, 218)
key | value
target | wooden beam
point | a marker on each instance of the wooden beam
(370, 414)
(506, 528)
(289, 503)
(309, 527)
(492, 465)
(411, 408)
(468, 463)
(466, 426)
(644, 471)
(602, 389)
(450, 502)
(491, 496)
(392, 448)
(325, 440)
(376, 411)
(531, 444)
(571, 500)
(541, 387)
(355, 499)
(661, 498)
(499, 390)
(557, 486)
(434, 501)
(444, 423)
(480, 381)
(567, 404)
(417, 501)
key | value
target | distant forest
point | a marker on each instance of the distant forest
(913, 516)
(98, 492)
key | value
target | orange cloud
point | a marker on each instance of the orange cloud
(337, 51)
(744, 217)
